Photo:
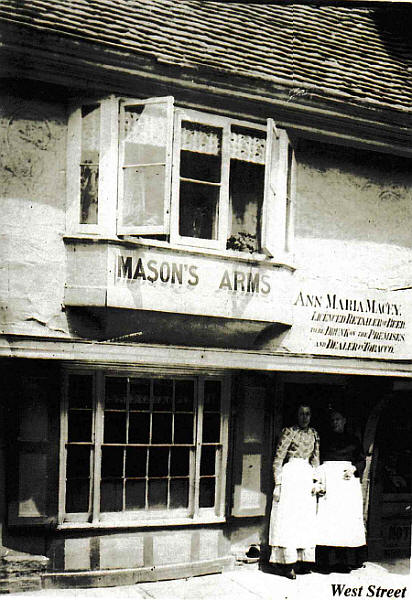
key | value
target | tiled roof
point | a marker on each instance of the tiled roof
(354, 52)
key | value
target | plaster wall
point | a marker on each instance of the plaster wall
(32, 216)
(353, 216)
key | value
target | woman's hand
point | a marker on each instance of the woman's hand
(347, 473)
(276, 493)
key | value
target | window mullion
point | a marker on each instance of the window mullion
(97, 450)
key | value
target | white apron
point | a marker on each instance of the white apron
(340, 510)
(292, 520)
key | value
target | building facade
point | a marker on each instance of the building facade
(206, 217)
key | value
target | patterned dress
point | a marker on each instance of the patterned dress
(292, 534)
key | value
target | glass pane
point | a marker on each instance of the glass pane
(80, 391)
(112, 462)
(162, 394)
(111, 495)
(179, 493)
(158, 493)
(158, 462)
(198, 210)
(139, 428)
(78, 461)
(77, 495)
(207, 461)
(246, 186)
(143, 196)
(179, 461)
(207, 492)
(89, 194)
(89, 169)
(116, 392)
(135, 494)
(183, 428)
(136, 462)
(200, 156)
(212, 395)
(184, 394)
(139, 394)
(114, 427)
(161, 428)
(211, 427)
(145, 134)
(80, 426)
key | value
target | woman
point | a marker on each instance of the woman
(292, 522)
(341, 533)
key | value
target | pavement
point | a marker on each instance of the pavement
(251, 583)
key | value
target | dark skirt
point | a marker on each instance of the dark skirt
(335, 558)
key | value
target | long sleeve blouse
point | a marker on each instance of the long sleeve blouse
(343, 446)
(295, 442)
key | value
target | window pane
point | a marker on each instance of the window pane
(184, 428)
(80, 391)
(135, 494)
(184, 395)
(80, 426)
(145, 134)
(116, 392)
(139, 394)
(112, 462)
(161, 428)
(211, 427)
(162, 395)
(207, 492)
(198, 210)
(158, 462)
(207, 461)
(139, 428)
(78, 461)
(111, 495)
(143, 196)
(89, 164)
(246, 187)
(158, 493)
(114, 427)
(77, 495)
(212, 395)
(179, 461)
(179, 493)
(136, 462)
(200, 156)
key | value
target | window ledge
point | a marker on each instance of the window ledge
(286, 262)
(133, 524)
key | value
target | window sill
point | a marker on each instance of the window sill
(231, 255)
(133, 524)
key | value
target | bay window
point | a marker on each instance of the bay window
(143, 447)
(147, 168)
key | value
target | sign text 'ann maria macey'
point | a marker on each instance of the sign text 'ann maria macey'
(184, 274)
(364, 325)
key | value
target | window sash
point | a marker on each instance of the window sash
(223, 197)
(142, 228)
(193, 511)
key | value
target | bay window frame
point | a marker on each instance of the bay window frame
(144, 517)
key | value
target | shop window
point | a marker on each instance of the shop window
(141, 447)
(148, 169)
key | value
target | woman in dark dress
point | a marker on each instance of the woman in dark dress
(341, 533)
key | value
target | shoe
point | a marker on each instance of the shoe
(303, 569)
(290, 573)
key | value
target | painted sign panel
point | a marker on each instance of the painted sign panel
(336, 321)
(155, 279)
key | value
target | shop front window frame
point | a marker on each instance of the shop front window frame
(194, 512)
